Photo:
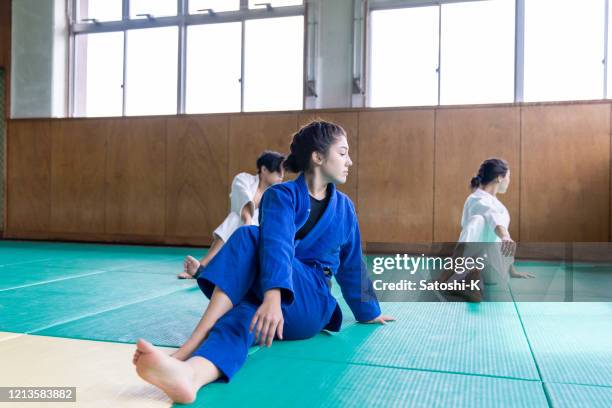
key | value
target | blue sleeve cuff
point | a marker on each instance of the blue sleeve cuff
(286, 290)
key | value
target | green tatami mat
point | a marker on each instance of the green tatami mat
(571, 342)
(88, 256)
(269, 381)
(484, 339)
(36, 307)
(572, 396)
(558, 283)
(106, 261)
(171, 267)
(80, 247)
(165, 321)
(20, 276)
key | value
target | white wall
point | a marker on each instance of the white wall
(38, 60)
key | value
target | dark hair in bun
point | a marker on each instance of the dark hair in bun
(316, 136)
(489, 170)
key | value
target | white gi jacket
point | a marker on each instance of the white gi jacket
(482, 212)
(244, 187)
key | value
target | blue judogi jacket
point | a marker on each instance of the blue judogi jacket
(333, 243)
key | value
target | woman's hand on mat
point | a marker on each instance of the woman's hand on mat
(268, 320)
(520, 275)
(382, 319)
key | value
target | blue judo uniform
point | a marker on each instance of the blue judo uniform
(256, 259)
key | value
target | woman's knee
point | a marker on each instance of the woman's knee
(250, 232)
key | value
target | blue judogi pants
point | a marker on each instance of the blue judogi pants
(235, 270)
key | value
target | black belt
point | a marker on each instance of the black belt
(328, 274)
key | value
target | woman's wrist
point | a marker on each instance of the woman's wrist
(272, 295)
(502, 233)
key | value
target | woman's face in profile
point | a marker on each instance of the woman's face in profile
(505, 182)
(336, 164)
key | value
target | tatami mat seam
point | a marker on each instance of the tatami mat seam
(535, 361)
(27, 285)
(117, 269)
(104, 311)
(414, 369)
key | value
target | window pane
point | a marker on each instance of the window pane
(564, 43)
(217, 5)
(151, 78)
(275, 3)
(477, 61)
(101, 10)
(404, 57)
(99, 74)
(213, 68)
(274, 53)
(157, 8)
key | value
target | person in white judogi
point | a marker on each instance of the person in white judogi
(245, 195)
(485, 222)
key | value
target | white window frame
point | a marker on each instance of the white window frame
(519, 41)
(182, 20)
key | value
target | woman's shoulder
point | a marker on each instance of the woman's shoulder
(482, 198)
(245, 177)
(345, 202)
(288, 189)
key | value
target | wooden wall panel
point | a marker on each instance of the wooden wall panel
(136, 177)
(28, 176)
(197, 193)
(464, 139)
(565, 174)
(253, 133)
(350, 122)
(396, 175)
(77, 175)
(5, 34)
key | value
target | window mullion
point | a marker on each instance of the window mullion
(605, 58)
(242, 64)
(439, 69)
(519, 51)
(182, 56)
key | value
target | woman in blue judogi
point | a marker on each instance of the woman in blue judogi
(273, 281)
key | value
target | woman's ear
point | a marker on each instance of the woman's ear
(317, 157)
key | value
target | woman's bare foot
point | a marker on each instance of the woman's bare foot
(174, 377)
(190, 267)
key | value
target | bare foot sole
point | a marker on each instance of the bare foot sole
(172, 376)
(190, 267)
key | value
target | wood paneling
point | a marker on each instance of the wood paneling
(565, 174)
(167, 180)
(464, 139)
(28, 175)
(253, 133)
(396, 175)
(5, 33)
(136, 177)
(197, 193)
(77, 175)
(350, 122)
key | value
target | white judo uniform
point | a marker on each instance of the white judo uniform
(482, 212)
(244, 187)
